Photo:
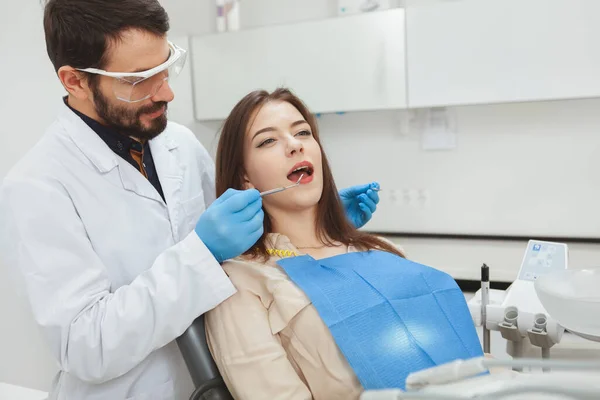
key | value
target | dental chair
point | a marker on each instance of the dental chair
(203, 370)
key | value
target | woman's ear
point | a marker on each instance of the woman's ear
(247, 184)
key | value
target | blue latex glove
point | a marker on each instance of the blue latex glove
(360, 202)
(232, 223)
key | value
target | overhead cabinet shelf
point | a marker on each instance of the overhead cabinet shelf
(354, 63)
(501, 51)
(449, 52)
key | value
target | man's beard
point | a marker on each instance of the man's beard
(128, 122)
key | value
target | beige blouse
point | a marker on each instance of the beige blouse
(268, 340)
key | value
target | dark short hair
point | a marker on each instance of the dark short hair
(78, 32)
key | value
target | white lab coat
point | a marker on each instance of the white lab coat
(113, 275)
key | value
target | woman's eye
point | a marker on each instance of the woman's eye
(304, 133)
(264, 142)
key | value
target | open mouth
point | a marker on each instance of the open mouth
(304, 168)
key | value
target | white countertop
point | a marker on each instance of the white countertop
(12, 392)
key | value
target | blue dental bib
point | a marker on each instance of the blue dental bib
(389, 316)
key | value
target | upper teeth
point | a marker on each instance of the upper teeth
(301, 168)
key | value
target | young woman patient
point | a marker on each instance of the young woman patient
(268, 340)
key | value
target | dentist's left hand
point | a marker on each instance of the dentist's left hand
(232, 223)
(360, 202)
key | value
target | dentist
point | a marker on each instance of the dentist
(110, 221)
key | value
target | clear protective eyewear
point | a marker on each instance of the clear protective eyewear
(133, 87)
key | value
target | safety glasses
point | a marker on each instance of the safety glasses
(133, 87)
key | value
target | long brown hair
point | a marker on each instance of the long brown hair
(332, 223)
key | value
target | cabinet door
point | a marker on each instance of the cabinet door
(495, 51)
(352, 63)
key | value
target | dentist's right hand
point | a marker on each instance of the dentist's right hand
(232, 223)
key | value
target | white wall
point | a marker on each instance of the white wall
(30, 99)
